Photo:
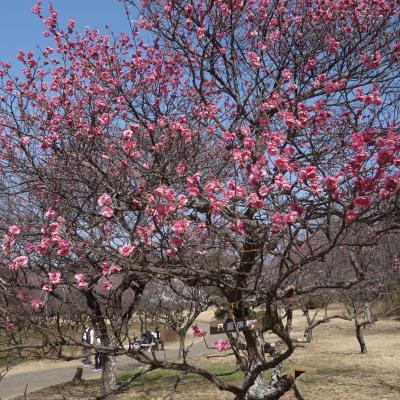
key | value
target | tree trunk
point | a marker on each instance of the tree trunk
(360, 337)
(182, 335)
(276, 371)
(368, 316)
(258, 391)
(108, 377)
(256, 356)
(308, 333)
(78, 375)
(141, 324)
(296, 393)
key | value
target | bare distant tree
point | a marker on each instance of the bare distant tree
(176, 305)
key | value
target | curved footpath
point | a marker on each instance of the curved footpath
(34, 376)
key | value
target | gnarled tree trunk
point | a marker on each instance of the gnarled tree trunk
(308, 334)
(360, 336)
(182, 335)
(368, 316)
(256, 356)
(108, 377)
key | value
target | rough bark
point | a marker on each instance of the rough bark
(297, 393)
(181, 351)
(368, 316)
(360, 337)
(78, 375)
(256, 356)
(308, 334)
(108, 377)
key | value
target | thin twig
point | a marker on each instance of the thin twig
(176, 384)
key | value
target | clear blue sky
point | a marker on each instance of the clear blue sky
(20, 29)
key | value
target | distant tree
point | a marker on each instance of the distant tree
(175, 305)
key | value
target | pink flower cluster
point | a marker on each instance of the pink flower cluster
(18, 262)
(197, 331)
(222, 344)
(106, 285)
(107, 269)
(81, 281)
(14, 230)
(37, 304)
(193, 181)
(50, 213)
(239, 227)
(126, 250)
(105, 202)
(372, 98)
(53, 230)
(362, 202)
(254, 59)
(279, 221)
(54, 279)
(180, 226)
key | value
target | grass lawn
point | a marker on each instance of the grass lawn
(153, 385)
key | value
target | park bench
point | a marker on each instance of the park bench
(141, 344)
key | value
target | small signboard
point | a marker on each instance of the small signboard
(295, 372)
(237, 325)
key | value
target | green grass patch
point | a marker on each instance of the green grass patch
(168, 377)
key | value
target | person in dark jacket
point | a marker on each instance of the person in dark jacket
(98, 356)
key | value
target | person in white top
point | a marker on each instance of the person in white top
(97, 356)
(87, 337)
(157, 339)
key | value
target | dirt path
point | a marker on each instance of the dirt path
(34, 376)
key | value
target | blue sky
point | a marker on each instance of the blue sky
(20, 29)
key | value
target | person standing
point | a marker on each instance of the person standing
(157, 339)
(98, 356)
(87, 338)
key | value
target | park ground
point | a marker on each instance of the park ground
(337, 369)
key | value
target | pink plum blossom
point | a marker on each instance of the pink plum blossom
(351, 215)
(107, 212)
(180, 226)
(47, 287)
(14, 230)
(106, 285)
(222, 344)
(50, 213)
(54, 277)
(115, 269)
(126, 250)
(37, 304)
(18, 262)
(362, 201)
(81, 280)
(171, 252)
(239, 227)
(104, 200)
(197, 331)
(105, 268)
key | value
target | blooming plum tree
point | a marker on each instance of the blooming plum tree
(210, 144)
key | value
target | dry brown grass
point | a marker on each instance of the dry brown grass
(342, 372)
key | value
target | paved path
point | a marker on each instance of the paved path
(42, 374)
